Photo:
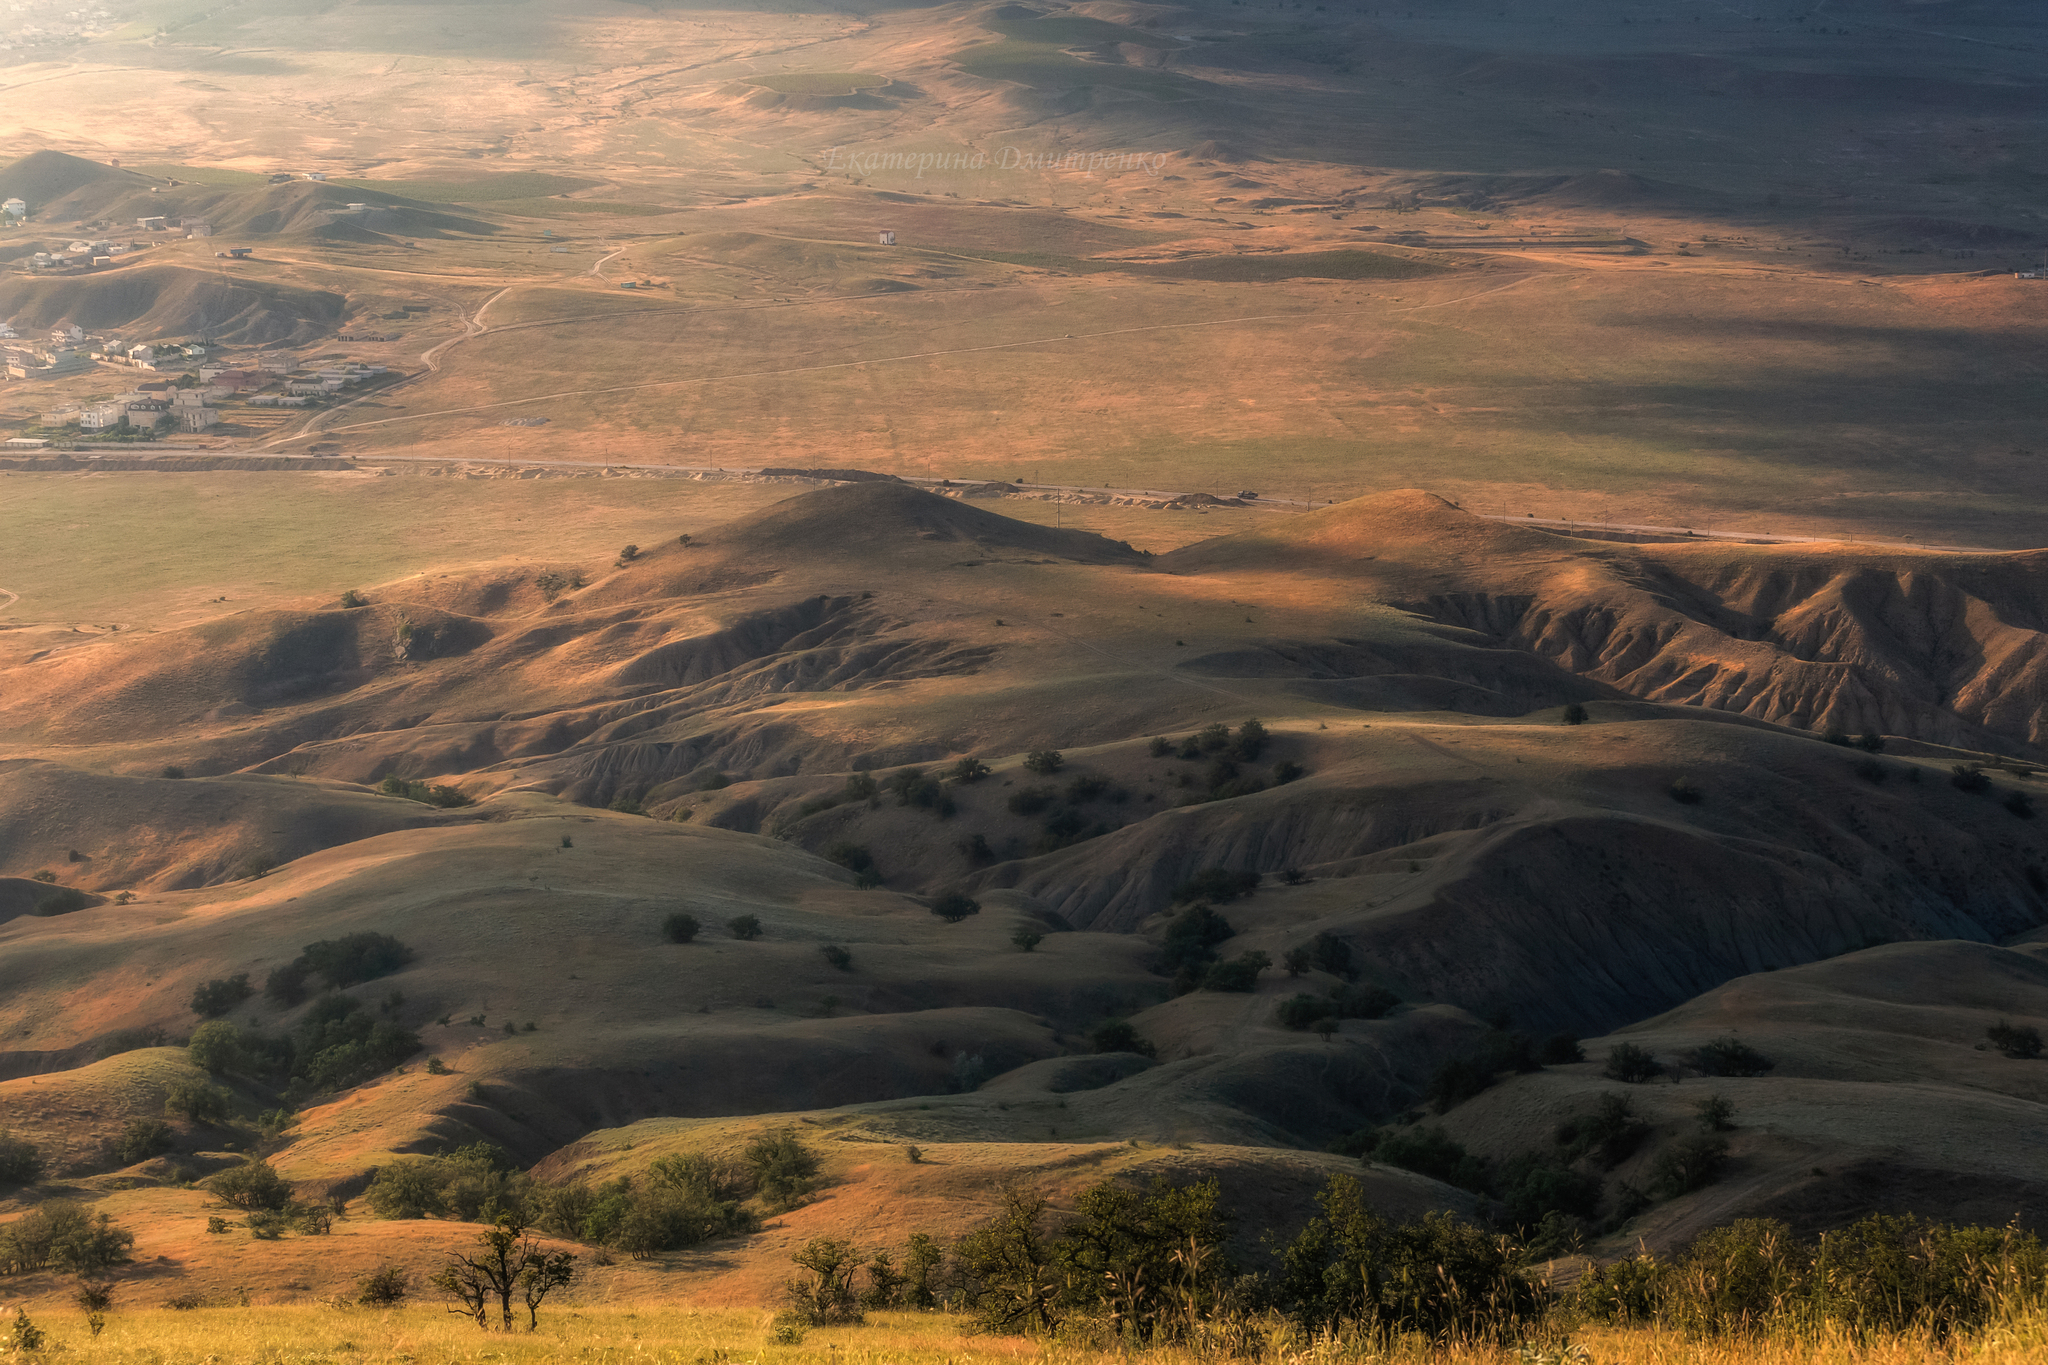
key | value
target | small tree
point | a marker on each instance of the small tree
(784, 1169)
(1627, 1062)
(352, 599)
(507, 1263)
(745, 928)
(1118, 1035)
(386, 1288)
(1027, 939)
(826, 1298)
(216, 998)
(1044, 762)
(1717, 1113)
(198, 1101)
(838, 957)
(142, 1139)
(251, 1185)
(969, 770)
(21, 1161)
(1574, 714)
(94, 1297)
(955, 906)
(680, 927)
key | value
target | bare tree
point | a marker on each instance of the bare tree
(507, 1263)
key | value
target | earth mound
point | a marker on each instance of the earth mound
(174, 300)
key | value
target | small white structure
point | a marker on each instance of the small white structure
(193, 229)
(144, 352)
(316, 175)
(14, 208)
(154, 223)
(888, 239)
(197, 418)
(103, 417)
(25, 442)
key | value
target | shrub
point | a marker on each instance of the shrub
(1027, 939)
(1118, 1035)
(21, 1161)
(216, 998)
(1284, 772)
(354, 958)
(969, 770)
(216, 1047)
(384, 1288)
(824, 1298)
(198, 1101)
(1609, 1135)
(955, 906)
(45, 876)
(1240, 974)
(1085, 787)
(2020, 803)
(2022, 1043)
(1044, 762)
(1373, 1002)
(1211, 738)
(1031, 800)
(1729, 1057)
(142, 1139)
(628, 554)
(1965, 778)
(715, 780)
(1686, 793)
(352, 599)
(745, 928)
(171, 771)
(1331, 954)
(1437, 1277)
(1191, 939)
(1870, 770)
(1717, 1113)
(1691, 1163)
(1218, 884)
(1296, 961)
(1458, 1080)
(1870, 742)
(856, 859)
(1426, 1151)
(680, 927)
(1574, 714)
(1159, 747)
(64, 902)
(1631, 1064)
(445, 798)
(838, 957)
(1300, 1011)
(784, 1169)
(251, 1185)
(1251, 741)
(1560, 1049)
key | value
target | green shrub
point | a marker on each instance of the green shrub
(1217, 884)
(2022, 1043)
(142, 1139)
(1426, 1151)
(1299, 1011)
(1027, 939)
(1251, 741)
(386, 1287)
(1717, 1113)
(784, 1169)
(968, 770)
(216, 998)
(1239, 975)
(2020, 803)
(955, 906)
(745, 928)
(1609, 1134)
(198, 1101)
(838, 957)
(216, 1047)
(21, 1161)
(171, 771)
(1437, 1277)
(1044, 762)
(1691, 1163)
(1285, 771)
(1965, 778)
(352, 599)
(1118, 1035)
(1574, 714)
(824, 1296)
(251, 1185)
(1729, 1056)
(1031, 800)
(1631, 1064)
(1686, 792)
(680, 927)
(446, 798)
(65, 902)
(857, 860)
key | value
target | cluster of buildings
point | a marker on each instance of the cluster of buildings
(273, 379)
(51, 24)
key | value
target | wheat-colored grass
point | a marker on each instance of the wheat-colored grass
(591, 1334)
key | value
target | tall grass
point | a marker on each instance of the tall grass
(648, 1334)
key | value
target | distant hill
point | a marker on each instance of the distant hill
(57, 185)
(173, 300)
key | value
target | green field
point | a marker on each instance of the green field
(488, 189)
(560, 208)
(820, 82)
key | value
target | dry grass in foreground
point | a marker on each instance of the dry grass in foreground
(658, 1335)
